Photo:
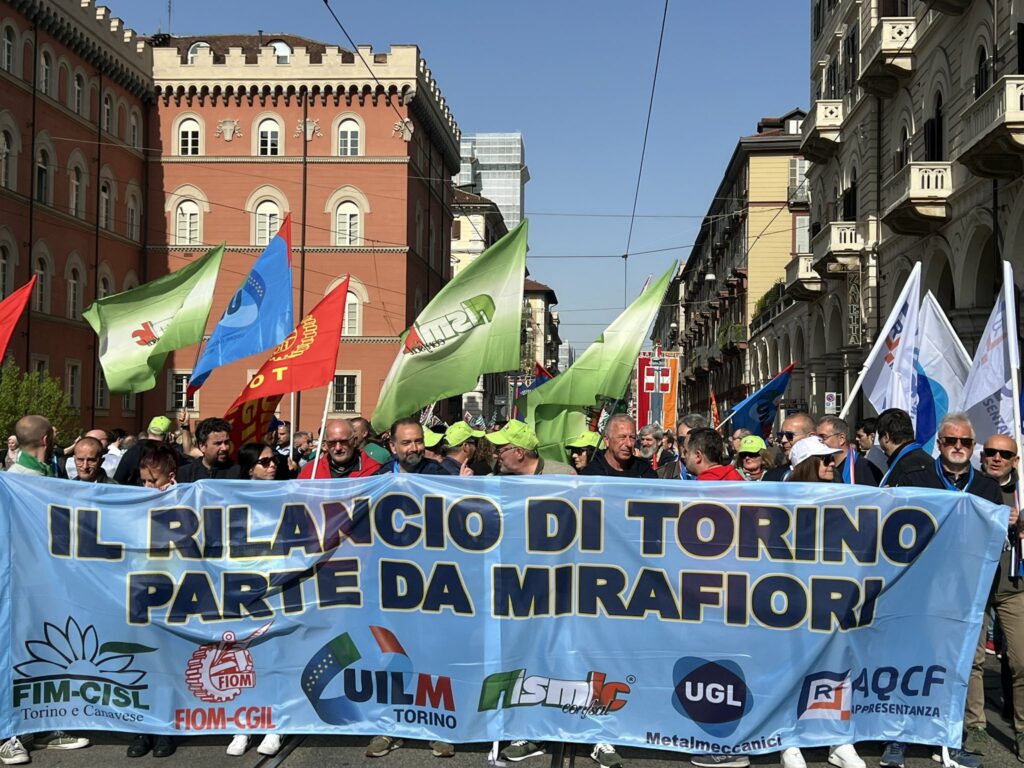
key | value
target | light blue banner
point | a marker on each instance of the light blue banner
(699, 617)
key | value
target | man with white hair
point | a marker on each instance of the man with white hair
(651, 448)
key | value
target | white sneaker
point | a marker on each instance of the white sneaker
(845, 756)
(270, 745)
(793, 758)
(12, 752)
(238, 745)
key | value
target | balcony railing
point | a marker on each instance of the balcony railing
(837, 246)
(802, 282)
(887, 55)
(799, 196)
(821, 130)
(992, 130)
(915, 200)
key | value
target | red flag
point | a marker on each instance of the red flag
(251, 420)
(11, 310)
(307, 358)
(715, 418)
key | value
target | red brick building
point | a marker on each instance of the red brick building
(183, 143)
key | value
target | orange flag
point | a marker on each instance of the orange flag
(715, 418)
(305, 360)
(11, 310)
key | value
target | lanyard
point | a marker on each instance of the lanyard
(906, 449)
(945, 481)
(395, 469)
(849, 468)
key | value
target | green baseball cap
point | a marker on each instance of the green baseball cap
(159, 425)
(752, 444)
(587, 440)
(516, 433)
(460, 432)
(431, 438)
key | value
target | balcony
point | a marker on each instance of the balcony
(732, 337)
(802, 282)
(799, 197)
(887, 56)
(952, 7)
(821, 130)
(916, 200)
(837, 248)
(992, 130)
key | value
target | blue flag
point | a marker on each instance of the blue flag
(757, 412)
(259, 316)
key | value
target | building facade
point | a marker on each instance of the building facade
(494, 165)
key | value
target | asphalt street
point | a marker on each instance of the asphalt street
(317, 751)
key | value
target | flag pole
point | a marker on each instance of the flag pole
(323, 427)
(291, 423)
(1011, 313)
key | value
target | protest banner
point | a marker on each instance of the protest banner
(703, 617)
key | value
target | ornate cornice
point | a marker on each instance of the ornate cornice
(257, 249)
(283, 159)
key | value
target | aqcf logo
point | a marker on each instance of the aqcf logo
(825, 696)
(713, 694)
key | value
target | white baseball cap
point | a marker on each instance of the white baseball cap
(809, 446)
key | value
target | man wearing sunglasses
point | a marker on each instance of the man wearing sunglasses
(951, 471)
(896, 437)
(851, 468)
(795, 428)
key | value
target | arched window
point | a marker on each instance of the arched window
(74, 293)
(43, 176)
(269, 137)
(934, 132)
(5, 269)
(7, 60)
(348, 138)
(187, 223)
(282, 50)
(133, 131)
(268, 220)
(132, 219)
(347, 224)
(188, 137)
(981, 80)
(6, 160)
(351, 325)
(194, 50)
(105, 204)
(76, 193)
(903, 151)
(108, 113)
(78, 101)
(41, 295)
(105, 287)
(45, 72)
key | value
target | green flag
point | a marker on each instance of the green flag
(470, 328)
(557, 410)
(140, 327)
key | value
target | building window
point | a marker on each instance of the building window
(79, 95)
(347, 224)
(76, 194)
(903, 151)
(105, 288)
(981, 72)
(6, 160)
(75, 294)
(194, 50)
(934, 133)
(851, 48)
(5, 269)
(73, 382)
(268, 221)
(128, 403)
(133, 220)
(188, 137)
(348, 138)
(8, 55)
(40, 365)
(179, 385)
(133, 131)
(41, 295)
(45, 72)
(102, 390)
(803, 235)
(269, 137)
(282, 51)
(108, 113)
(186, 230)
(105, 217)
(350, 324)
(43, 176)
(345, 397)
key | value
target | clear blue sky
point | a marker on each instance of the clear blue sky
(574, 76)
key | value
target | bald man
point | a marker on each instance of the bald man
(100, 436)
(35, 438)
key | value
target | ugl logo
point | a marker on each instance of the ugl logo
(713, 694)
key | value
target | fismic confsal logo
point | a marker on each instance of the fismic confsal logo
(218, 672)
(713, 694)
(593, 696)
(436, 332)
(69, 672)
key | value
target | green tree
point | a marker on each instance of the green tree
(22, 393)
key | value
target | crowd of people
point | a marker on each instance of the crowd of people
(879, 452)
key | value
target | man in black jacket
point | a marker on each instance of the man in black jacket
(795, 428)
(618, 459)
(851, 468)
(213, 437)
(896, 436)
(407, 449)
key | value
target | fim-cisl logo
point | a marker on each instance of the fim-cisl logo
(69, 673)
(713, 694)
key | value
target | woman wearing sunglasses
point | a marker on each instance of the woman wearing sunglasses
(256, 461)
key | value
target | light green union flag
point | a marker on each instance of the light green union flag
(470, 328)
(140, 327)
(557, 410)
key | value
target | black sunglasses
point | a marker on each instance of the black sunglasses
(949, 442)
(745, 456)
(786, 435)
(265, 461)
(828, 459)
(991, 453)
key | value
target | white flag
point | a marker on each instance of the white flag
(988, 397)
(941, 371)
(889, 369)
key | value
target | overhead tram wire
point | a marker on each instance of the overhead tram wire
(643, 153)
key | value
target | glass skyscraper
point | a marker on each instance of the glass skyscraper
(494, 166)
